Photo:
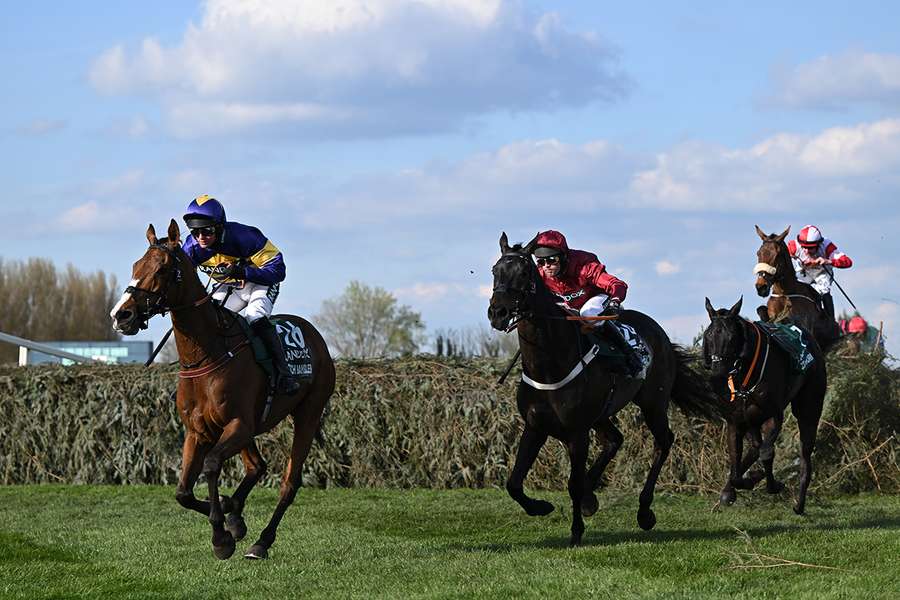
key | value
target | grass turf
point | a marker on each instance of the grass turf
(136, 542)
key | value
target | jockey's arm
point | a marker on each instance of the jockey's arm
(835, 258)
(596, 273)
(264, 263)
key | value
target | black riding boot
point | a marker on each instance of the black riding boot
(632, 360)
(828, 305)
(285, 381)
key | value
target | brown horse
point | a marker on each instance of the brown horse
(756, 380)
(222, 391)
(789, 297)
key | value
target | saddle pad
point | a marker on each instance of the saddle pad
(296, 352)
(791, 340)
(637, 343)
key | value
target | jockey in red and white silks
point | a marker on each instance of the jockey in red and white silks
(814, 256)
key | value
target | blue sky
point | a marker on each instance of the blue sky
(391, 141)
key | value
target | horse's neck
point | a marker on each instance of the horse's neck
(548, 346)
(195, 327)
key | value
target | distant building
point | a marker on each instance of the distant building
(112, 352)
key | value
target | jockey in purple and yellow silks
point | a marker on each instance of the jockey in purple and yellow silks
(248, 267)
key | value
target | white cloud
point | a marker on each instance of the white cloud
(837, 81)
(683, 328)
(833, 168)
(361, 67)
(93, 217)
(430, 292)
(665, 267)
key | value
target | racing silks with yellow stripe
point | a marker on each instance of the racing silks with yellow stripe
(264, 263)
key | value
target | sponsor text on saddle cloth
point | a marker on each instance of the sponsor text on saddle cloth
(296, 352)
(791, 340)
(608, 354)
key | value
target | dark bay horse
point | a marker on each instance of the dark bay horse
(755, 379)
(222, 391)
(789, 297)
(552, 348)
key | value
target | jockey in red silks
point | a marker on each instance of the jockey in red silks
(581, 281)
(814, 256)
(247, 267)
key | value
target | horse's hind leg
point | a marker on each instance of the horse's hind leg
(306, 424)
(807, 427)
(530, 444)
(610, 442)
(658, 421)
(254, 469)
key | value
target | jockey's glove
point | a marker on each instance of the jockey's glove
(613, 307)
(237, 270)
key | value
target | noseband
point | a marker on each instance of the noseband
(520, 310)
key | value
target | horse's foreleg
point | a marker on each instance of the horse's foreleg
(578, 448)
(771, 430)
(306, 424)
(530, 444)
(235, 436)
(751, 455)
(610, 442)
(254, 469)
(658, 422)
(192, 455)
(735, 449)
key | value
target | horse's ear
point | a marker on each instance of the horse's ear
(783, 235)
(710, 310)
(174, 233)
(736, 309)
(762, 235)
(529, 247)
(151, 235)
(504, 243)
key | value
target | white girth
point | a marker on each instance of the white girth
(579, 367)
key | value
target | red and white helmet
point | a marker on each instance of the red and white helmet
(809, 236)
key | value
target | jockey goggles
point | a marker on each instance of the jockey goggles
(548, 260)
(207, 231)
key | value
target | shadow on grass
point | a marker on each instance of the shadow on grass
(18, 548)
(662, 536)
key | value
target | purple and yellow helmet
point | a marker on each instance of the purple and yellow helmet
(204, 211)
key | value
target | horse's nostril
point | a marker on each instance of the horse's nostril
(123, 315)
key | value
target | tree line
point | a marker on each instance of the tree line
(42, 303)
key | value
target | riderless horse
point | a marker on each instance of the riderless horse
(223, 396)
(756, 379)
(565, 394)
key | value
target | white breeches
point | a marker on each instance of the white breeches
(594, 306)
(817, 277)
(254, 301)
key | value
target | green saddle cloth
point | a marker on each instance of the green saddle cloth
(792, 340)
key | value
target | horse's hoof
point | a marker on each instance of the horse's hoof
(774, 488)
(225, 546)
(799, 509)
(646, 519)
(235, 525)
(539, 508)
(257, 552)
(728, 497)
(227, 504)
(589, 504)
(574, 541)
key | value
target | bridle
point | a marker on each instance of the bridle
(742, 392)
(521, 309)
(155, 302)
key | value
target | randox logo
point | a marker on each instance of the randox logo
(572, 296)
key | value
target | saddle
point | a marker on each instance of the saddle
(791, 339)
(296, 352)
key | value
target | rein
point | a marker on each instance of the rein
(743, 392)
(219, 362)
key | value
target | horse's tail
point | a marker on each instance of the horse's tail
(691, 391)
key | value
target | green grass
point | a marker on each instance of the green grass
(136, 542)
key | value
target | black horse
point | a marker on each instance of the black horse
(755, 377)
(552, 351)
